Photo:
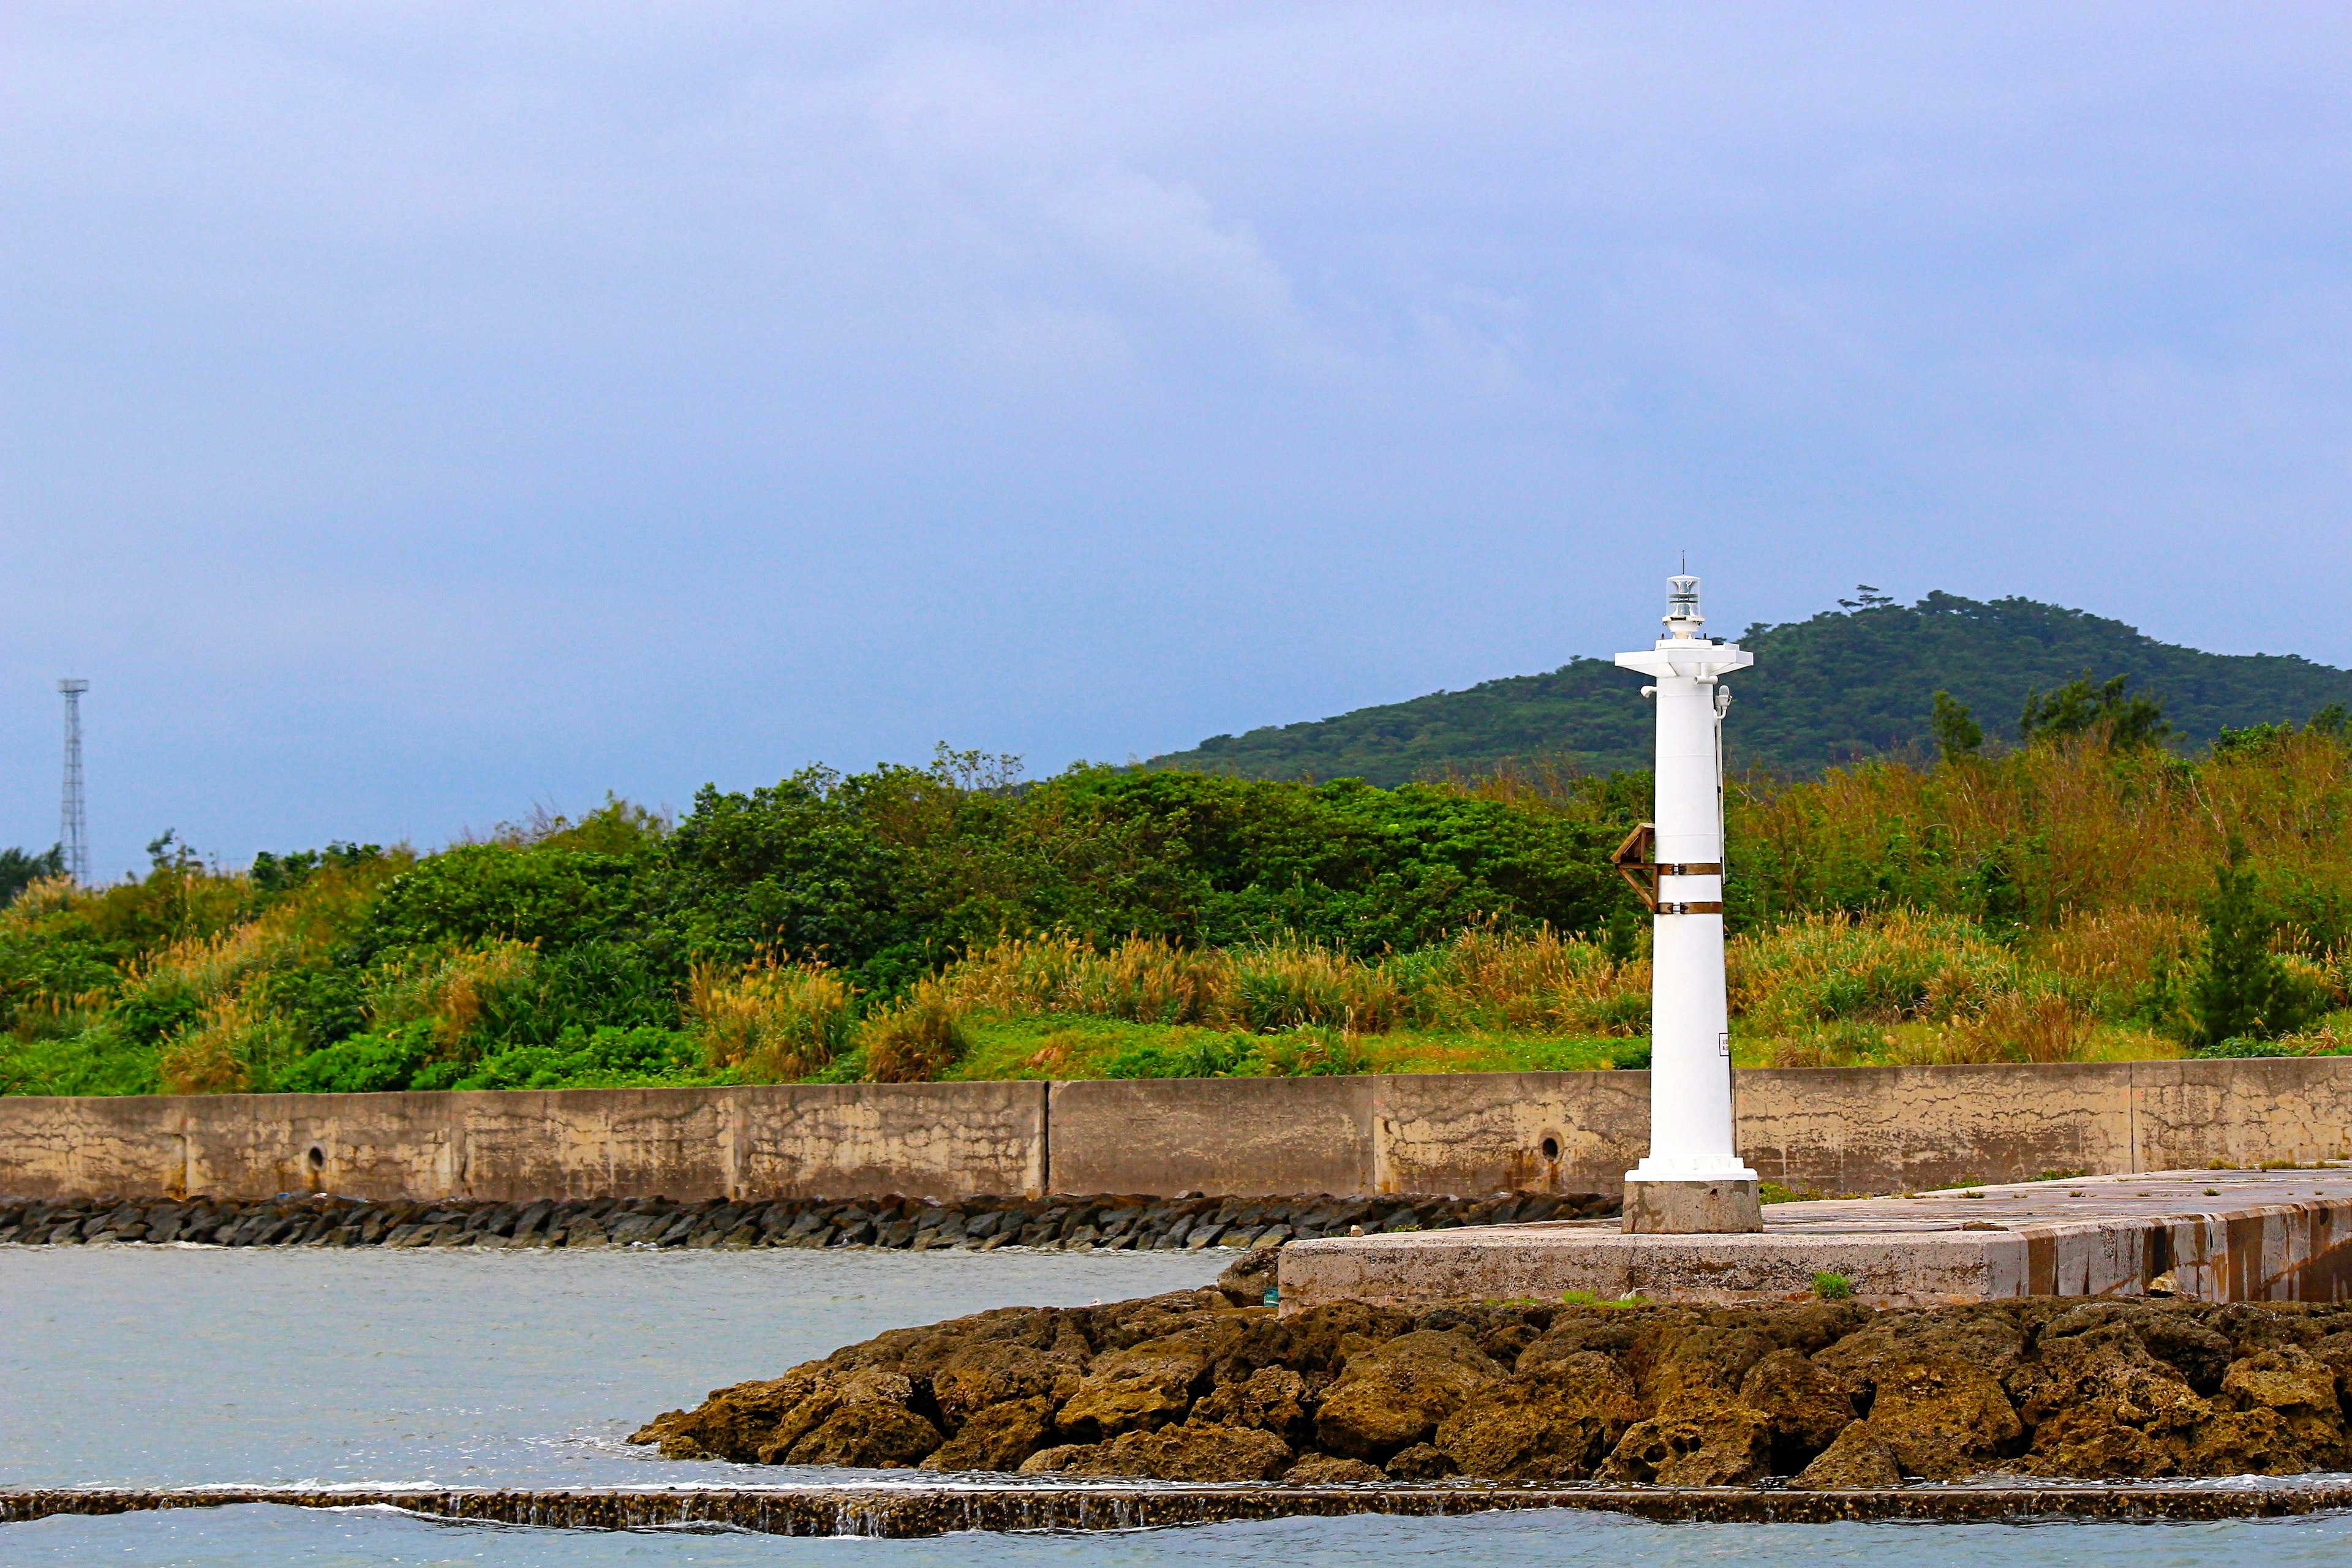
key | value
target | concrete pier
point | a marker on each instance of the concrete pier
(2212, 1235)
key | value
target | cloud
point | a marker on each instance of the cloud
(412, 412)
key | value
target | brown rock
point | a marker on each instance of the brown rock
(1001, 1437)
(1246, 1280)
(1328, 1470)
(984, 1373)
(1271, 1399)
(1392, 1395)
(1805, 1407)
(1808, 1328)
(1556, 1425)
(2300, 1390)
(1052, 1461)
(1145, 1386)
(1627, 1334)
(1187, 1453)
(2101, 1406)
(1421, 1462)
(869, 1436)
(747, 1420)
(1979, 1336)
(1506, 1344)
(1856, 1460)
(1722, 1446)
(1311, 1342)
(2088, 1444)
(1122, 1325)
(1700, 1364)
(2170, 1332)
(2335, 1350)
(2245, 1443)
(2291, 1382)
(1944, 1419)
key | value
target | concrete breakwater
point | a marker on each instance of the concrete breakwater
(883, 1513)
(981, 1224)
(1830, 1131)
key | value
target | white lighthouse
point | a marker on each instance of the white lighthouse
(1692, 1180)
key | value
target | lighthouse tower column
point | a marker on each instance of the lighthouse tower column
(1692, 1181)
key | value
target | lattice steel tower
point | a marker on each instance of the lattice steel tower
(73, 818)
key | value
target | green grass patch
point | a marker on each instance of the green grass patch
(1078, 1046)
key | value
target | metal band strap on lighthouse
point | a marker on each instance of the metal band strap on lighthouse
(1692, 1181)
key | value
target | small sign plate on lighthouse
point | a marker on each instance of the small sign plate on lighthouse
(1692, 1181)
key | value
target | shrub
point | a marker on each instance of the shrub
(365, 1064)
(2017, 1027)
(916, 1041)
(237, 1037)
(2245, 1046)
(2240, 989)
(583, 1058)
(1284, 984)
(772, 1022)
(1537, 980)
(1831, 1287)
(1887, 969)
(1194, 1054)
(1143, 979)
(456, 991)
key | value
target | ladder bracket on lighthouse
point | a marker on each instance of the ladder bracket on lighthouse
(1641, 872)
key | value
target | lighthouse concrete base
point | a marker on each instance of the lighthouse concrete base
(1692, 1208)
(2212, 1235)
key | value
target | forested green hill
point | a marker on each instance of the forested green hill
(1846, 683)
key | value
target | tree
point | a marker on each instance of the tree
(2241, 991)
(2079, 708)
(19, 870)
(1958, 733)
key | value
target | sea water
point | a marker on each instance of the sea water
(171, 1366)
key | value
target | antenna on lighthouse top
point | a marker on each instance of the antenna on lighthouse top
(1681, 616)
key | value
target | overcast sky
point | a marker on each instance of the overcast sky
(414, 412)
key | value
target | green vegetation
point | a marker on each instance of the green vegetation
(2090, 894)
(1847, 684)
(19, 870)
(798, 930)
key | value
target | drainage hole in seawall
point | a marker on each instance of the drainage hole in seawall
(1551, 1148)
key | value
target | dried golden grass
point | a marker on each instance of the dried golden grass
(217, 1054)
(2057, 815)
(918, 1040)
(2328, 975)
(775, 1021)
(1543, 980)
(39, 900)
(452, 988)
(1145, 980)
(2112, 955)
(1282, 985)
(2018, 1027)
(1885, 969)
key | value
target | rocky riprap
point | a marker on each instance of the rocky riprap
(1207, 1386)
(980, 1224)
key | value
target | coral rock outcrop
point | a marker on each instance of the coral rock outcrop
(1209, 1385)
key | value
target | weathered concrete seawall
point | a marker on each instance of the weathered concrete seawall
(1848, 1130)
